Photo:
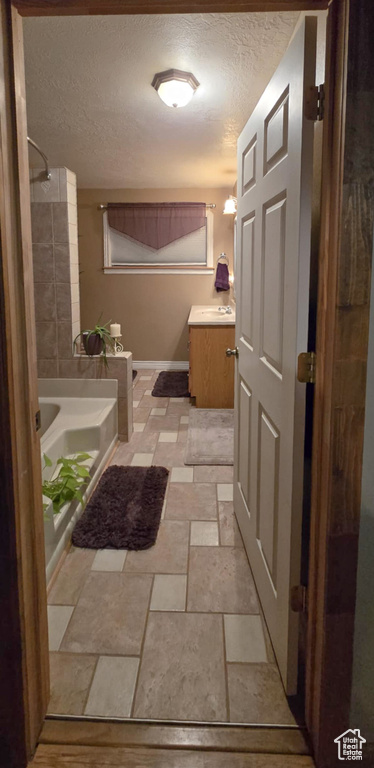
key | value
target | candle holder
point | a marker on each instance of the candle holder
(118, 347)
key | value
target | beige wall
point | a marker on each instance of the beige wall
(152, 309)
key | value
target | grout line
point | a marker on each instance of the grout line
(219, 527)
(225, 669)
(157, 573)
(90, 685)
(142, 646)
(188, 564)
(67, 626)
(101, 653)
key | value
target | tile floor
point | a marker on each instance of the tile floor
(174, 632)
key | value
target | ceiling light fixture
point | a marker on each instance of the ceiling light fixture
(175, 87)
(230, 204)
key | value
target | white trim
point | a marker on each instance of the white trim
(161, 365)
(168, 269)
(175, 271)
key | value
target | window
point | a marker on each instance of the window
(158, 238)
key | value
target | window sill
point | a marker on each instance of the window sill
(158, 271)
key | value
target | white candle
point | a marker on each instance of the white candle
(115, 330)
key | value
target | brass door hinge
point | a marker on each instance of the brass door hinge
(306, 367)
(314, 107)
(299, 599)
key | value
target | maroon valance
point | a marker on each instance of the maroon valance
(156, 224)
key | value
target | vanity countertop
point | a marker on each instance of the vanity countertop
(210, 315)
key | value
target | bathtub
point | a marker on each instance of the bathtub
(77, 415)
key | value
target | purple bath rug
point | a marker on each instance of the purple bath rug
(171, 384)
(124, 511)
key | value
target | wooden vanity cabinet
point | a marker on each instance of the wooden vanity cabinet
(211, 373)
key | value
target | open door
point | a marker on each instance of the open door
(275, 161)
(24, 688)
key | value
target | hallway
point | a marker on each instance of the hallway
(174, 632)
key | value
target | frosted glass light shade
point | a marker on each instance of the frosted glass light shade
(230, 205)
(175, 87)
(174, 93)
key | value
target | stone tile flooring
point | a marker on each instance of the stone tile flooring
(174, 632)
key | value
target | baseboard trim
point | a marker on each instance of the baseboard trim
(100, 732)
(160, 365)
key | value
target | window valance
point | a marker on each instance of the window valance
(156, 225)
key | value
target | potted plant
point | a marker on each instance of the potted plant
(97, 340)
(68, 483)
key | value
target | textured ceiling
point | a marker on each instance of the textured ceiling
(91, 106)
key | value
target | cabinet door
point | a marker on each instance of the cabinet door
(212, 371)
(190, 369)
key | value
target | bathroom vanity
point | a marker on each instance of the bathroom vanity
(211, 373)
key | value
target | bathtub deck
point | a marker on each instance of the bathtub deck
(159, 634)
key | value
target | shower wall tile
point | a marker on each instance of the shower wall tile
(74, 273)
(73, 235)
(62, 263)
(75, 313)
(77, 368)
(46, 341)
(71, 193)
(43, 263)
(60, 223)
(45, 190)
(63, 302)
(122, 418)
(75, 330)
(75, 318)
(64, 341)
(128, 358)
(71, 177)
(73, 252)
(45, 302)
(63, 183)
(116, 370)
(57, 301)
(41, 222)
(74, 289)
(47, 369)
(72, 214)
(130, 426)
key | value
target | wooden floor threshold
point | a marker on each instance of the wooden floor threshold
(50, 756)
(96, 732)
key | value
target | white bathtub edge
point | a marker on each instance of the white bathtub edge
(61, 545)
(78, 387)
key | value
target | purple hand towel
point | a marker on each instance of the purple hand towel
(222, 277)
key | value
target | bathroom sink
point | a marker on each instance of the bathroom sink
(214, 311)
(210, 315)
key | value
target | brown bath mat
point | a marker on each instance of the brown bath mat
(124, 511)
(171, 384)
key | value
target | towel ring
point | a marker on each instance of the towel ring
(223, 256)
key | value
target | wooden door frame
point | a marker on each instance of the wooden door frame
(333, 439)
(24, 661)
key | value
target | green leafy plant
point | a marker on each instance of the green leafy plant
(69, 483)
(97, 340)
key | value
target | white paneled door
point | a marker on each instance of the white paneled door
(275, 158)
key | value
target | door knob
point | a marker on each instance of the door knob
(232, 352)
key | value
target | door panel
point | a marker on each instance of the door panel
(245, 405)
(275, 157)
